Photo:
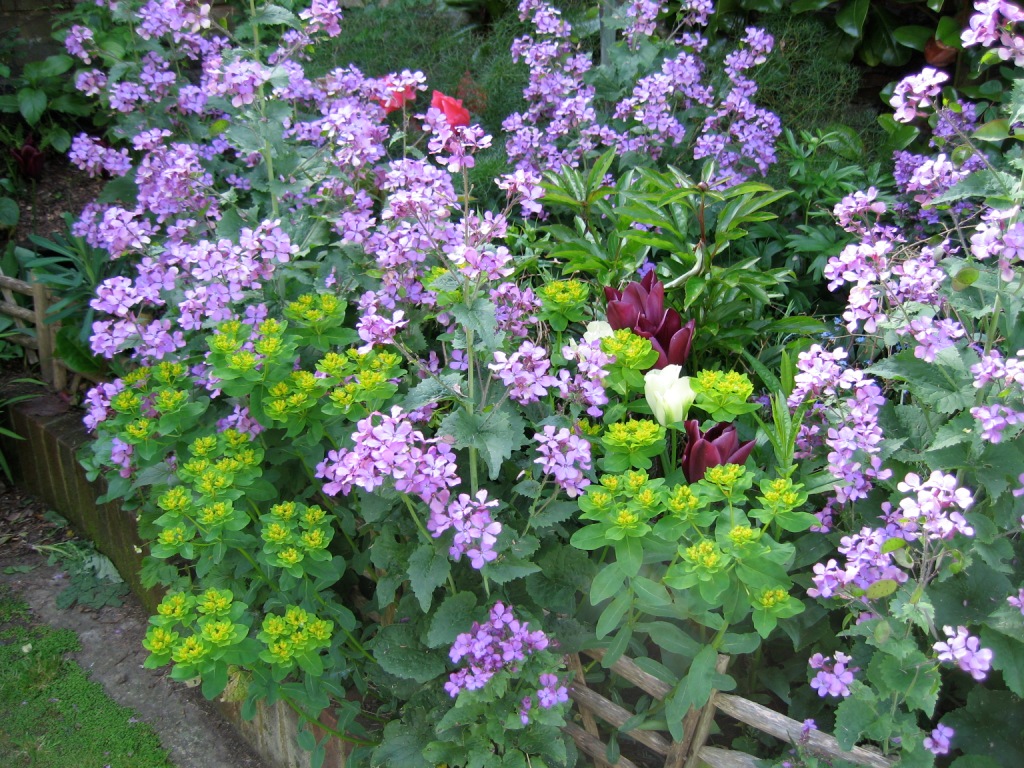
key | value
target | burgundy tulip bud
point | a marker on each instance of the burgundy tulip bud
(704, 450)
(640, 307)
(30, 160)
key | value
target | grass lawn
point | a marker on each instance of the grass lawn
(51, 714)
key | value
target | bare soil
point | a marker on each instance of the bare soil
(189, 727)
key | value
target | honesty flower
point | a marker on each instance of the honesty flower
(669, 394)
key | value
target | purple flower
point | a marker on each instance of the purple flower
(565, 456)
(500, 643)
(964, 650)
(833, 678)
(524, 373)
(915, 92)
(938, 741)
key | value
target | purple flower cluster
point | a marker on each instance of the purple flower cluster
(915, 92)
(856, 437)
(503, 642)
(561, 125)
(834, 676)
(964, 650)
(992, 26)
(865, 564)
(389, 447)
(585, 387)
(933, 511)
(524, 373)
(475, 530)
(565, 456)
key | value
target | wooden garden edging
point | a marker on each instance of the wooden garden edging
(42, 340)
(692, 752)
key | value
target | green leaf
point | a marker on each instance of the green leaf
(607, 582)
(650, 593)
(452, 617)
(506, 569)
(694, 690)
(805, 6)
(851, 17)
(912, 677)
(495, 435)
(275, 15)
(31, 104)
(51, 66)
(433, 390)
(481, 319)
(881, 588)
(1007, 657)
(993, 130)
(428, 570)
(399, 653)
(9, 213)
(671, 638)
(913, 36)
(612, 615)
(853, 717)
(629, 553)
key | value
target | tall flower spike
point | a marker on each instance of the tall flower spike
(640, 307)
(704, 450)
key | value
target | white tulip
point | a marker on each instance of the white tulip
(669, 394)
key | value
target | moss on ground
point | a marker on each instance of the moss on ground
(51, 714)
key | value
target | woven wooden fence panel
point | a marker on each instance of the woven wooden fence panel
(692, 751)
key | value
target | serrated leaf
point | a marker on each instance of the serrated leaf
(1007, 657)
(275, 15)
(507, 569)
(911, 677)
(399, 653)
(495, 435)
(428, 570)
(433, 390)
(853, 717)
(453, 617)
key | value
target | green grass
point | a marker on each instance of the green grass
(51, 714)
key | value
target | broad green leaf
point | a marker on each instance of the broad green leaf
(851, 17)
(506, 569)
(671, 638)
(452, 617)
(31, 104)
(428, 570)
(51, 66)
(629, 553)
(804, 6)
(881, 588)
(913, 36)
(399, 653)
(1007, 657)
(913, 678)
(9, 213)
(495, 435)
(650, 593)
(853, 717)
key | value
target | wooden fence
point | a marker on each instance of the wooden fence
(692, 751)
(38, 337)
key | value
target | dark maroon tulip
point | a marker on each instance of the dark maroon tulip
(719, 445)
(30, 160)
(640, 307)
